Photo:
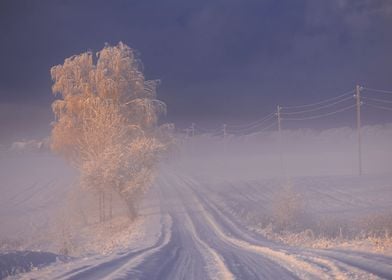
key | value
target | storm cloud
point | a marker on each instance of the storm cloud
(218, 60)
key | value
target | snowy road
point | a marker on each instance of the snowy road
(197, 241)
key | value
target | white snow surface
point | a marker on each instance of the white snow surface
(32, 187)
(204, 215)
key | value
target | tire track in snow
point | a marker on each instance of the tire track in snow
(374, 267)
(107, 265)
(115, 268)
(244, 264)
(199, 241)
(182, 257)
(123, 271)
(325, 265)
(216, 267)
(344, 266)
(179, 259)
(301, 268)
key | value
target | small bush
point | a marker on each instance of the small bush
(287, 209)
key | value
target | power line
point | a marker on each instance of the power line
(378, 100)
(320, 102)
(255, 127)
(263, 129)
(378, 107)
(326, 103)
(318, 108)
(320, 115)
(378, 90)
(256, 122)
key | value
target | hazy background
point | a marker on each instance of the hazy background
(219, 61)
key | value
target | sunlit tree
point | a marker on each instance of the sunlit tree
(106, 122)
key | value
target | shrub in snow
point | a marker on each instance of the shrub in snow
(376, 225)
(287, 209)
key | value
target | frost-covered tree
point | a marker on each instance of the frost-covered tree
(106, 122)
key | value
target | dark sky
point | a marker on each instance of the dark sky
(217, 59)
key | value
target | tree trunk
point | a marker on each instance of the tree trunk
(131, 209)
(101, 196)
(100, 207)
(111, 205)
(103, 207)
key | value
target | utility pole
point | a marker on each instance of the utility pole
(193, 129)
(224, 138)
(358, 98)
(278, 109)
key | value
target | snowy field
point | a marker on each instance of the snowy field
(218, 210)
(33, 187)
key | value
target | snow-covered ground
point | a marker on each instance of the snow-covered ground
(320, 212)
(218, 210)
(37, 194)
(33, 187)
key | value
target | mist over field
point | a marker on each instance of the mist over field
(305, 152)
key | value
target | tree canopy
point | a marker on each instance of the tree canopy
(106, 120)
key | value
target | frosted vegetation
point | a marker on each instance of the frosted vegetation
(106, 131)
(106, 124)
